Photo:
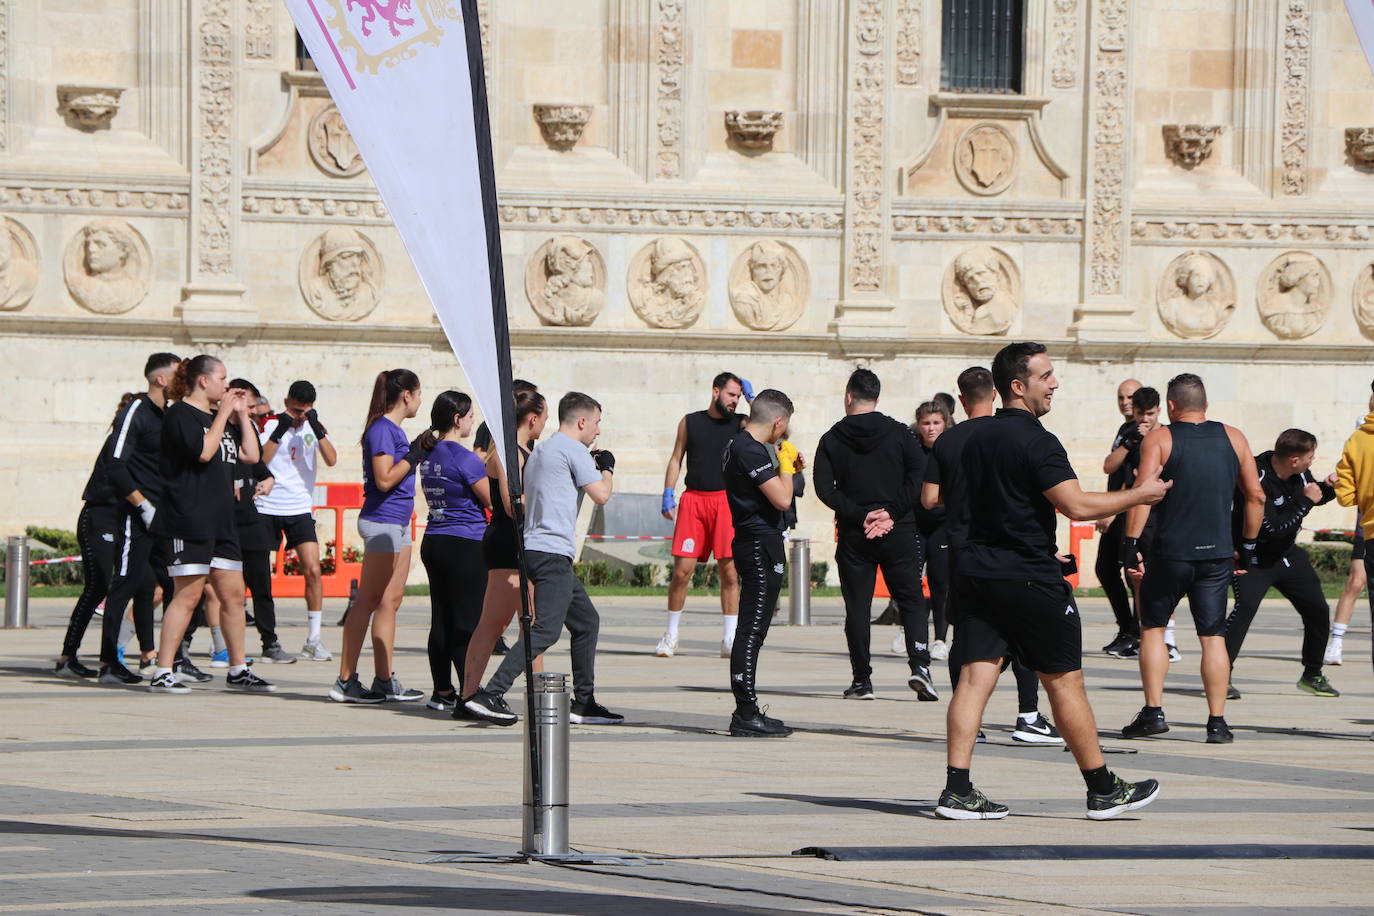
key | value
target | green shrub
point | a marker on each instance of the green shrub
(706, 576)
(1334, 534)
(48, 573)
(56, 538)
(599, 572)
(819, 570)
(1331, 561)
(644, 575)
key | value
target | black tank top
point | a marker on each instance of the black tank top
(501, 527)
(706, 441)
(1194, 519)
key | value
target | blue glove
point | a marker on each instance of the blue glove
(748, 389)
(669, 500)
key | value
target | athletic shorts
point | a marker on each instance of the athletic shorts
(1205, 583)
(498, 546)
(197, 558)
(703, 526)
(1035, 622)
(1357, 551)
(383, 537)
(299, 529)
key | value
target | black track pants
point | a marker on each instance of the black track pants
(936, 547)
(761, 567)
(257, 578)
(457, 585)
(95, 533)
(1297, 581)
(1111, 576)
(133, 578)
(858, 559)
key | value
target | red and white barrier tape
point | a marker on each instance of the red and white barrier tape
(627, 537)
(55, 560)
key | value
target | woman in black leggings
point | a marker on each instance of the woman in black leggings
(932, 419)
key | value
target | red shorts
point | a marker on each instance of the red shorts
(703, 526)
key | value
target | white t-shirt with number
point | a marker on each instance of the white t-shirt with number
(293, 466)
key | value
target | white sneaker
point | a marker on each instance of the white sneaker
(726, 647)
(1333, 654)
(1174, 654)
(939, 651)
(899, 643)
(315, 651)
(667, 647)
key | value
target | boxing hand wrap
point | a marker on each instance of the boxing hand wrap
(748, 389)
(605, 461)
(417, 452)
(1247, 558)
(669, 500)
(281, 429)
(1130, 552)
(147, 510)
(313, 419)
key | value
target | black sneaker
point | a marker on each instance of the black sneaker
(1115, 647)
(118, 674)
(982, 737)
(593, 713)
(1146, 724)
(1218, 732)
(1131, 650)
(394, 690)
(921, 682)
(757, 725)
(1318, 686)
(167, 682)
(72, 669)
(189, 672)
(859, 690)
(353, 691)
(972, 807)
(491, 707)
(443, 702)
(1231, 692)
(500, 648)
(1124, 796)
(1040, 731)
(247, 680)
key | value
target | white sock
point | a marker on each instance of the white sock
(237, 669)
(731, 621)
(218, 637)
(1169, 634)
(1338, 631)
(1028, 717)
(674, 619)
(313, 619)
(126, 631)
(161, 671)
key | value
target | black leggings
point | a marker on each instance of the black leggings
(1297, 581)
(937, 577)
(257, 578)
(1110, 577)
(95, 533)
(760, 564)
(457, 585)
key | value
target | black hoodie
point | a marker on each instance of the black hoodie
(869, 461)
(1285, 506)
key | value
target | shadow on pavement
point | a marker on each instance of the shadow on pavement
(512, 900)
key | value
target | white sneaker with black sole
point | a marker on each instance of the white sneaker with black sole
(593, 713)
(1038, 731)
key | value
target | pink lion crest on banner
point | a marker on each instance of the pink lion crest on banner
(389, 10)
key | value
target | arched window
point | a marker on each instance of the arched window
(982, 46)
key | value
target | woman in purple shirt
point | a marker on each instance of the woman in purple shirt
(389, 463)
(455, 485)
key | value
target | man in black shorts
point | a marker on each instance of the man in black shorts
(1109, 530)
(1290, 492)
(1011, 593)
(1208, 464)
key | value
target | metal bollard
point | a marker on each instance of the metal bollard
(799, 584)
(17, 583)
(546, 828)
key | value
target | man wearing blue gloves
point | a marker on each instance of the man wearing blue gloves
(702, 518)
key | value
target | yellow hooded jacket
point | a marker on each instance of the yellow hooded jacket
(1355, 474)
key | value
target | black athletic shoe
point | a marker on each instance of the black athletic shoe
(353, 691)
(593, 713)
(500, 648)
(73, 670)
(757, 725)
(1124, 796)
(189, 672)
(921, 682)
(1039, 731)
(118, 674)
(1117, 645)
(982, 737)
(1318, 686)
(247, 681)
(491, 707)
(167, 682)
(859, 690)
(1219, 732)
(1146, 724)
(1131, 650)
(972, 807)
(1231, 692)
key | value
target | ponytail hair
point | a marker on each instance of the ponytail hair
(528, 403)
(386, 391)
(447, 406)
(125, 400)
(188, 373)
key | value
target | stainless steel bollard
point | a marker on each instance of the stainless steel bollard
(546, 828)
(17, 583)
(799, 584)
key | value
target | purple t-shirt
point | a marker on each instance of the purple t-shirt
(447, 476)
(395, 506)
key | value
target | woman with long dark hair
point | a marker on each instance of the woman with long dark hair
(456, 488)
(389, 463)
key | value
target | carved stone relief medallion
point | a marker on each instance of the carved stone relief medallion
(565, 282)
(985, 158)
(982, 291)
(769, 286)
(1363, 300)
(667, 281)
(331, 145)
(18, 266)
(341, 274)
(107, 266)
(1196, 295)
(1294, 295)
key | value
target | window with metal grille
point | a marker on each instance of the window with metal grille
(303, 61)
(982, 43)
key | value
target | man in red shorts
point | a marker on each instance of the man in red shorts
(703, 517)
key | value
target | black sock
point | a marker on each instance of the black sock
(1153, 710)
(1215, 720)
(957, 781)
(1310, 672)
(1098, 780)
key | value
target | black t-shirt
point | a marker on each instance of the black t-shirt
(1117, 480)
(246, 479)
(945, 469)
(746, 465)
(706, 439)
(1008, 464)
(198, 497)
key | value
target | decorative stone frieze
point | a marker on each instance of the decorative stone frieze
(1294, 106)
(907, 71)
(1189, 145)
(258, 29)
(107, 266)
(562, 125)
(18, 265)
(341, 274)
(1363, 300)
(954, 225)
(1359, 146)
(982, 291)
(866, 203)
(985, 158)
(1196, 295)
(4, 75)
(85, 198)
(1294, 295)
(331, 146)
(753, 130)
(1064, 65)
(565, 282)
(89, 108)
(668, 60)
(769, 286)
(1260, 231)
(667, 281)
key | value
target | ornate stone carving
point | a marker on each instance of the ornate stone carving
(908, 67)
(565, 282)
(257, 29)
(213, 233)
(562, 125)
(1196, 295)
(107, 266)
(1189, 145)
(667, 282)
(88, 108)
(341, 274)
(484, 30)
(1297, 62)
(18, 266)
(982, 291)
(769, 286)
(753, 130)
(864, 206)
(1064, 70)
(918, 225)
(985, 159)
(331, 145)
(1363, 300)
(1107, 232)
(1294, 295)
(4, 76)
(1359, 146)
(668, 65)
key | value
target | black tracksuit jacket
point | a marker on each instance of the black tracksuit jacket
(1285, 506)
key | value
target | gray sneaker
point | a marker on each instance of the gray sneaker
(393, 689)
(314, 651)
(353, 691)
(277, 655)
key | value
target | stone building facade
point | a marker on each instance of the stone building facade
(783, 188)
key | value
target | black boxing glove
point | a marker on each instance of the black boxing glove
(1130, 553)
(605, 461)
(417, 451)
(1132, 439)
(313, 419)
(281, 429)
(1247, 558)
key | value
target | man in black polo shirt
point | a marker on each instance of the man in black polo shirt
(1108, 567)
(1011, 592)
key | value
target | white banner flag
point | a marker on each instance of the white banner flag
(407, 77)
(1362, 14)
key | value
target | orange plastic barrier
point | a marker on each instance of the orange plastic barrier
(880, 586)
(338, 498)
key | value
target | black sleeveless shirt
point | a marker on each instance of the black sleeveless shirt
(501, 528)
(706, 441)
(1194, 519)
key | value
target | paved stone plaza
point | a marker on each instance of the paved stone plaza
(117, 801)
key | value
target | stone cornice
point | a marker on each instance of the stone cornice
(144, 196)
